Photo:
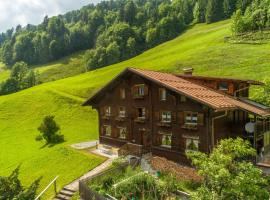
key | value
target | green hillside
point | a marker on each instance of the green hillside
(201, 47)
(63, 68)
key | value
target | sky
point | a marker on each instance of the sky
(14, 12)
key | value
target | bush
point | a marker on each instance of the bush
(50, 130)
(11, 188)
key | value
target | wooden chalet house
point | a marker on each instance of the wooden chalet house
(168, 114)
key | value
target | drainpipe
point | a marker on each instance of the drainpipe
(239, 90)
(213, 126)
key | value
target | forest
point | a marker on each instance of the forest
(112, 30)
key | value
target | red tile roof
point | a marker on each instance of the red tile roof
(205, 95)
(215, 99)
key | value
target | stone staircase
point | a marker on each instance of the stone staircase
(65, 194)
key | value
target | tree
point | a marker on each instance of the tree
(7, 53)
(229, 7)
(19, 71)
(238, 24)
(11, 188)
(214, 11)
(130, 12)
(50, 130)
(227, 173)
(152, 37)
(262, 94)
(11, 85)
(113, 53)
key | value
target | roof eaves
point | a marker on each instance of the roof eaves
(90, 100)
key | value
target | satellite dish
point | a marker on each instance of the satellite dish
(250, 127)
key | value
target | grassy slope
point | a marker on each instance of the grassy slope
(201, 47)
(66, 67)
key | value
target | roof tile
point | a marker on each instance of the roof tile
(200, 93)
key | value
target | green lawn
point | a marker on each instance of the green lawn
(202, 47)
(66, 67)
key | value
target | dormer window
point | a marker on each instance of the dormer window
(162, 94)
(223, 86)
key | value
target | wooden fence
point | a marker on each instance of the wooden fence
(86, 193)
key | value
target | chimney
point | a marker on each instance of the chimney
(188, 71)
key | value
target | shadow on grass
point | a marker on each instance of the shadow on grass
(50, 145)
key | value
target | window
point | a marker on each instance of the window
(122, 93)
(141, 113)
(162, 94)
(139, 90)
(192, 144)
(122, 112)
(223, 86)
(183, 98)
(166, 116)
(108, 111)
(191, 118)
(165, 139)
(122, 133)
(107, 130)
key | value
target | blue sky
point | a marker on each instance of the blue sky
(14, 12)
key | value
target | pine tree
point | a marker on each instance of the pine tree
(199, 11)
(214, 11)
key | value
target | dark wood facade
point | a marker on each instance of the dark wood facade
(140, 111)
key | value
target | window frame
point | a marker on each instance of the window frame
(143, 113)
(122, 128)
(139, 90)
(163, 136)
(108, 111)
(221, 86)
(122, 113)
(166, 113)
(192, 120)
(162, 94)
(105, 130)
(192, 141)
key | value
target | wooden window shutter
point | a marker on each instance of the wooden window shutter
(181, 117)
(157, 116)
(114, 132)
(200, 118)
(146, 90)
(173, 117)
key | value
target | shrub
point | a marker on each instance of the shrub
(11, 188)
(50, 130)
